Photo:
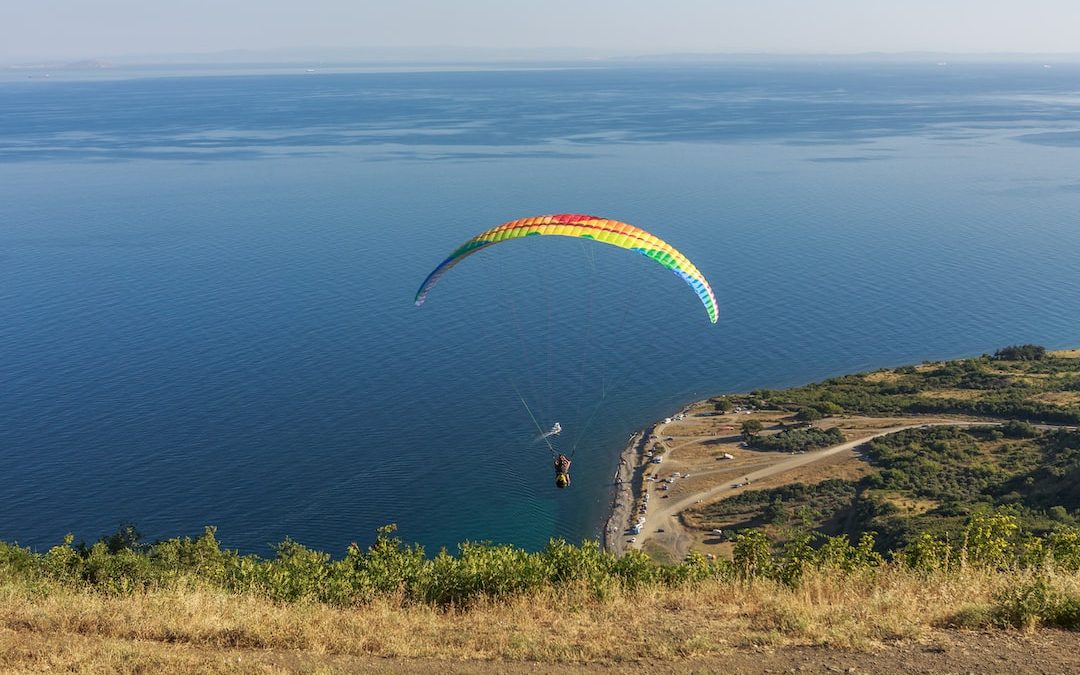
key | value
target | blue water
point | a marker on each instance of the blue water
(206, 282)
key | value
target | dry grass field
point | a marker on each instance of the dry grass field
(199, 630)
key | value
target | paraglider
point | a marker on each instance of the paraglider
(602, 230)
(562, 471)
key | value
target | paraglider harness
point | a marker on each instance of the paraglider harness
(562, 471)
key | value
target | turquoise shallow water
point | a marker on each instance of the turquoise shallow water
(206, 282)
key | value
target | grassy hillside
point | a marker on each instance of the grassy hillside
(1043, 388)
(188, 605)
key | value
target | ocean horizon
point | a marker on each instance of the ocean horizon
(206, 281)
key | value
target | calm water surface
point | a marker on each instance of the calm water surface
(206, 282)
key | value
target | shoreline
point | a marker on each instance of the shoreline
(628, 486)
(624, 493)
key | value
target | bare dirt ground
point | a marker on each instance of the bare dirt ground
(704, 461)
(946, 651)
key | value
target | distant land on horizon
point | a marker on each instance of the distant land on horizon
(445, 55)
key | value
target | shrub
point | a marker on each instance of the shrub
(798, 440)
(1021, 353)
(927, 553)
(1037, 603)
(990, 540)
(751, 555)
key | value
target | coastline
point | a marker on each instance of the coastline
(626, 490)
(628, 484)
(698, 455)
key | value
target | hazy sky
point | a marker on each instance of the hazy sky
(36, 29)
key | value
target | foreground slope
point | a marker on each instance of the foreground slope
(981, 572)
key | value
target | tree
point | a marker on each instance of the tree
(126, 537)
(808, 415)
(1021, 353)
(1018, 429)
(829, 408)
(722, 405)
(751, 428)
(1060, 514)
(776, 513)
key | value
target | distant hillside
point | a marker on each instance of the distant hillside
(1043, 388)
(931, 480)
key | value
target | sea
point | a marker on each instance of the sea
(207, 277)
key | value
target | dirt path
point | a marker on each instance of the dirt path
(945, 651)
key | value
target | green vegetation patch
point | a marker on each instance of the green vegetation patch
(798, 440)
(1002, 386)
(391, 569)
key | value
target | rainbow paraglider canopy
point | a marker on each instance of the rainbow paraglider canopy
(603, 230)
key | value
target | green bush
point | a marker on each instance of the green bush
(798, 440)
(752, 555)
(1037, 603)
(990, 540)
(1021, 353)
(390, 568)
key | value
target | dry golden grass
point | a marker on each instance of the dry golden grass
(1034, 379)
(567, 626)
(882, 376)
(911, 506)
(1062, 398)
(1067, 354)
(957, 394)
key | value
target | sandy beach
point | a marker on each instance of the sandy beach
(626, 490)
(628, 482)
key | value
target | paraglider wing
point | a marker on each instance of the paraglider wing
(603, 230)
